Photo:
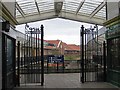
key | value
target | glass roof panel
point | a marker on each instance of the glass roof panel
(45, 5)
(101, 13)
(28, 6)
(31, 7)
(44, 1)
(84, 12)
(94, 1)
(46, 11)
(76, 1)
(24, 1)
(71, 5)
(18, 13)
(89, 6)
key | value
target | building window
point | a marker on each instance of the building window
(114, 53)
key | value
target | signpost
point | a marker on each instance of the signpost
(55, 58)
(56, 61)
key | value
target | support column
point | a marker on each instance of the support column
(42, 56)
(82, 53)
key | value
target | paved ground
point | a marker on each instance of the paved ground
(68, 80)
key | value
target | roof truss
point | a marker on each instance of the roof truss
(86, 10)
(98, 9)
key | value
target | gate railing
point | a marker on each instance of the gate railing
(93, 56)
(30, 58)
(67, 66)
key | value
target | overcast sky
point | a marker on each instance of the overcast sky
(66, 30)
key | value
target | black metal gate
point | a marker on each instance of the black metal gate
(93, 56)
(30, 60)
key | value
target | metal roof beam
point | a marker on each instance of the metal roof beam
(37, 6)
(82, 18)
(64, 15)
(98, 9)
(80, 5)
(37, 17)
(20, 9)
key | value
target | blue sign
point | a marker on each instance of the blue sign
(55, 58)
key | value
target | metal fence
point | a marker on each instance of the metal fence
(30, 68)
(68, 66)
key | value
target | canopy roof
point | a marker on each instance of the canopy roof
(90, 11)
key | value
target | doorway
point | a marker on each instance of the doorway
(8, 62)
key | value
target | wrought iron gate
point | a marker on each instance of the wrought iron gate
(93, 56)
(30, 60)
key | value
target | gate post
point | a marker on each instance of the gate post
(47, 63)
(18, 64)
(57, 66)
(42, 56)
(82, 53)
(63, 62)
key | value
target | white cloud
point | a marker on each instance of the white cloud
(69, 39)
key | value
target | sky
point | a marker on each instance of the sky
(59, 29)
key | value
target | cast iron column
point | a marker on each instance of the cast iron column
(42, 56)
(82, 53)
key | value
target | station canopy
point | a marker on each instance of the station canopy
(89, 11)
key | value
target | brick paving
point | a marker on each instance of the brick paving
(69, 80)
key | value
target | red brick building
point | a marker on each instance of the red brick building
(55, 47)
(72, 49)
